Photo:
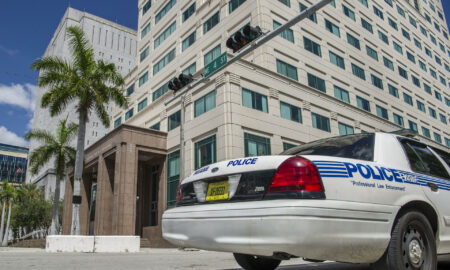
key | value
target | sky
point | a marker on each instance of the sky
(26, 28)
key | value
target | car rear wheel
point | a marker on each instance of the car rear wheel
(412, 245)
(251, 262)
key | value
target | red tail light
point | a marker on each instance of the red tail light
(179, 192)
(296, 174)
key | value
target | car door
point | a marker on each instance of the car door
(435, 178)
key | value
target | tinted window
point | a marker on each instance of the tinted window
(430, 164)
(445, 156)
(358, 146)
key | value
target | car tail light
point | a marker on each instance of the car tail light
(179, 193)
(296, 174)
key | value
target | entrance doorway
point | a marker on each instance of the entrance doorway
(92, 208)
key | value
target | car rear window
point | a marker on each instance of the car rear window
(357, 146)
(445, 156)
(423, 160)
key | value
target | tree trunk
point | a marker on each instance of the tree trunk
(3, 221)
(54, 229)
(78, 173)
(5, 237)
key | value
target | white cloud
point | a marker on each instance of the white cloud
(9, 52)
(9, 137)
(20, 95)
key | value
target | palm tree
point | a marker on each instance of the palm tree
(58, 147)
(3, 204)
(9, 195)
(90, 83)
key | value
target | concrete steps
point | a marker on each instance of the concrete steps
(145, 243)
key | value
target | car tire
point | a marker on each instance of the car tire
(412, 245)
(251, 262)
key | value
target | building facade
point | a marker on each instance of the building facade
(13, 163)
(112, 43)
(354, 66)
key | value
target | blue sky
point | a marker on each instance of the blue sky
(26, 29)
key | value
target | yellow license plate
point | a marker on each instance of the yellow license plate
(217, 191)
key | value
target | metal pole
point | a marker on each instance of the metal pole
(183, 98)
(257, 43)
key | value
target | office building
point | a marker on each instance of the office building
(13, 163)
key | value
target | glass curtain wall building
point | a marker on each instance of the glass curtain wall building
(13, 163)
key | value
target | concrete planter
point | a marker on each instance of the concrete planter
(78, 243)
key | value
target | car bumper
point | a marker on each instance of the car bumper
(313, 229)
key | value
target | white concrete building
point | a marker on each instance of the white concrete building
(355, 66)
(113, 43)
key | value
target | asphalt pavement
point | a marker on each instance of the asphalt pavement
(157, 259)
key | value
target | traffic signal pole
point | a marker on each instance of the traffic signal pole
(243, 52)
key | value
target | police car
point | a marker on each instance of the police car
(376, 198)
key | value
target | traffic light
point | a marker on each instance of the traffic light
(177, 83)
(243, 37)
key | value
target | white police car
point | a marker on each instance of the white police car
(367, 198)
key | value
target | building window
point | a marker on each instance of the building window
(164, 35)
(164, 10)
(398, 120)
(156, 126)
(146, 7)
(312, 17)
(401, 11)
(378, 12)
(345, 129)
(173, 177)
(438, 60)
(254, 100)
(398, 48)
(337, 60)
(413, 126)
(286, 2)
(188, 12)
(427, 88)
(432, 112)
(382, 112)
(190, 69)
(428, 52)
(143, 79)
(393, 91)
(389, 2)
(145, 31)
(420, 106)
(372, 53)
(358, 72)
(256, 145)
(348, 12)
(415, 80)
(142, 104)
(290, 112)
(402, 72)
(353, 41)
(423, 31)
(205, 152)
(408, 99)
(438, 95)
(129, 114)
(332, 28)
(366, 25)
(437, 137)
(412, 22)
(388, 63)
(145, 53)
(287, 34)
(426, 132)
(130, 89)
(118, 122)
(188, 41)
(447, 142)
(312, 46)
(406, 34)
(164, 61)
(377, 82)
(410, 57)
(234, 4)
(287, 70)
(173, 121)
(417, 43)
(205, 103)
(393, 24)
(433, 73)
(363, 103)
(383, 37)
(341, 94)
(364, 2)
(211, 55)
(320, 122)
(211, 22)
(422, 66)
(160, 91)
(316, 82)
(443, 118)
(433, 39)
(287, 146)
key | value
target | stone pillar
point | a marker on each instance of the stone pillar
(124, 213)
(67, 213)
(105, 197)
(85, 193)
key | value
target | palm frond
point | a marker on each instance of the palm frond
(41, 135)
(51, 64)
(41, 155)
(102, 113)
(79, 45)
